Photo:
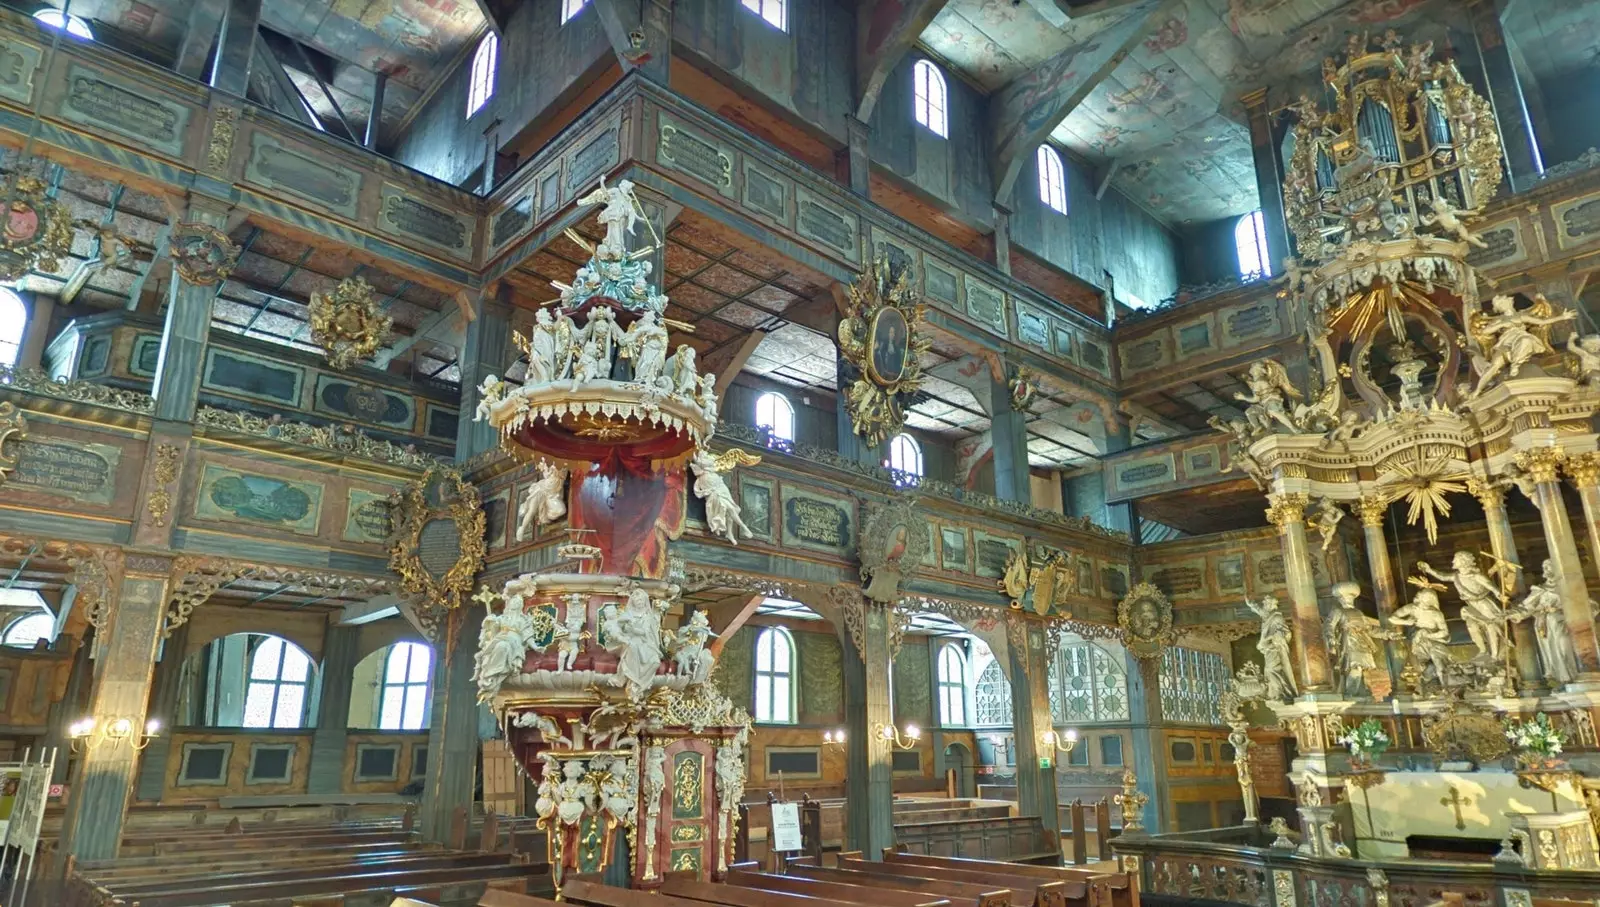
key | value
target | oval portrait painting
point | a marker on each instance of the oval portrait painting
(888, 341)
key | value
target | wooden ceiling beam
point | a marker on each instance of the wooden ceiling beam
(885, 33)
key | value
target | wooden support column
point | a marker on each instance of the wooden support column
(163, 708)
(66, 711)
(1030, 719)
(851, 445)
(1149, 741)
(869, 775)
(1269, 176)
(339, 658)
(1008, 429)
(860, 161)
(230, 69)
(92, 827)
(380, 81)
(1311, 652)
(453, 726)
(1002, 239)
(485, 353)
(1543, 465)
(1503, 545)
(188, 324)
(1524, 163)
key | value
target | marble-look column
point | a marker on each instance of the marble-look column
(484, 353)
(339, 659)
(163, 708)
(1037, 794)
(1504, 546)
(1149, 740)
(1385, 592)
(1008, 428)
(869, 773)
(1543, 465)
(1269, 176)
(1584, 471)
(1311, 651)
(859, 162)
(1002, 242)
(1524, 162)
(204, 256)
(92, 827)
(452, 725)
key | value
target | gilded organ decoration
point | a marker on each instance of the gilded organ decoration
(436, 541)
(348, 323)
(882, 340)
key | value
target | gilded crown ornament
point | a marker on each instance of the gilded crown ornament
(202, 254)
(37, 233)
(881, 338)
(348, 323)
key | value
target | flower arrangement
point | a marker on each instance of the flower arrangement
(1366, 741)
(1538, 739)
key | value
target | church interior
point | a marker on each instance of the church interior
(799, 453)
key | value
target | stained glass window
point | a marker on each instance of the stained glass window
(1191, 684)
(775, 676)
(280, 673)
(405, 687)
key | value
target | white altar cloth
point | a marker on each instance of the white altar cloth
(1445, 805)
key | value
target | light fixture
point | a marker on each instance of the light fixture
(833, 738)
(888, 733)
(87, 733)
(74, 25)
(1051, 741)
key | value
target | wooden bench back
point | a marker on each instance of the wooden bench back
(1107, 886)
(1038, 892)
(740, 896)
(858, 894)
(980, 895)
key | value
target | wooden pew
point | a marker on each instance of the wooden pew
(747, 876)
(1018, 839)
(1024, 890)
(1118, 889)
(979, 895)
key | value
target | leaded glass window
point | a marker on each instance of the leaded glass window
(280, 672)
(1087, 684)
(991, 706)
(1191, 684)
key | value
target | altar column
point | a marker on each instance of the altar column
(1502, 545)
(1385, 591)
(1543, 465)
(1030, 717)
(1311, 652)
(869, 775)
(1584, 470)
(125, 653)
(452, 724)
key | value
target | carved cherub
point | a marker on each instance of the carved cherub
(1509, 338)
(1326, 520)
(1585, 352)
(1447, 218)
(1342, 433)
(1269, 387)
(490, 392)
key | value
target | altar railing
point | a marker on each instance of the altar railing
(1238, 865)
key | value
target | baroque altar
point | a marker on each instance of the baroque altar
(600, 682)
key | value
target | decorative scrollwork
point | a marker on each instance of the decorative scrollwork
(1145, 616)
(339, 439)
(34, 381)
(348, 323)
(38, 229)
(445, 507)
(12, 426)
(881, 337)
(203, 255)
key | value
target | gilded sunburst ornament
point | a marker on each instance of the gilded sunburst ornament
(1424, 486)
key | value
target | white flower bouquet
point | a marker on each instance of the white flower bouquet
(1537, 740)
(1366, 741)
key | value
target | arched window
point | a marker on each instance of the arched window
(774, 413)
(952, 686)
(13, 323)
(75, 26)
(27, 630)
(1052, 179)
(775, 676)
(992, 698)
(405, 687)
(905, 457)
(1250, 238)
(570, 8)
(775, 12)
(484, 62)
(929, 92)
(280, 674)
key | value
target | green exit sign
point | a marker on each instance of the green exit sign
(1044, 761)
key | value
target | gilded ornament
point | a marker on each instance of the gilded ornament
(1425, 486)
(1145, 617)
(882, 340)
(220, 147)
(203, 255)
(445, 507)
(1461, 731)
(13, 428)
(342, 440)
(891, 546)
(348, 323)
(34, 381)
(1024, 385)
(1541, 464)
(1371, 510)
(38, 230)
(1132, 802)
(1286, 508)
(1584, 469)
(163, 474)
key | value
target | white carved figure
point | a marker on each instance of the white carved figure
(730, 789)
(689, 653)
(722, 512)
(1543, 606)
(543, 502)
(1274, 644)
(1430, 638)
(1269, 387)
(1508, 338)
(646, 341)
(1355, 640)
(549, 731)
(1345, 431)
(572, 792)
(1326, 520)
(1585, 352)
(602, 328)
(544, 804)
(592, 363)
(1408, 367)
(571, 634)
(655, 785)
(615, 786)
(550, 347)
(708, 398)
(634, 632)
(1447, 218)
(490, 392)
(620, 214)
(1480, 602)
(504, 641)
(681, 368)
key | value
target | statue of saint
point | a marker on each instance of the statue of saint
(504, 640)
(1543, 606)
(722, 512)
(646, 341)
(1355, 641)
(1274, 645)
(1507, 337)
(634, 632)
(620, 214)
(543, 502)
(1430, 638)
(1480, 602)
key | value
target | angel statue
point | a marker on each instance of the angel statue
(549, 730)
(570, 635)
(689, 650)
(1507, 338)
(1269, 385)
(646, 342)
(490, 393)
(504, 640)
(620, 214)
(543, 502)
(1274, 646)
(681, 369)
(1585, 352)
(1447, 218)
(1543, 605)
(1480, 601)
(1430, 638)
(722, 512)
(1325, 518)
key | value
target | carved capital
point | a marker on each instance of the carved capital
(1584, 469)
(1371, 509)
(1490, 495)
(1287, 507)
(1542, 464)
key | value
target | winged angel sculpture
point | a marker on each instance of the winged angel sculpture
(1509, 338)
(722, 511)
(1269, 402)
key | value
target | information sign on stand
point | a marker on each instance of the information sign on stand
(786, 827)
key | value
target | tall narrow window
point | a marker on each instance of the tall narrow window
(952, 686)
(1052, 179)
(25, 632)
(570, 8)
(905, 458)
(484, 62)
(775, 12)
(405, 687)
(13, 323)
(774, 413)
(1250, 238)
(775, 676)
(929, 93)
(280, 673)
